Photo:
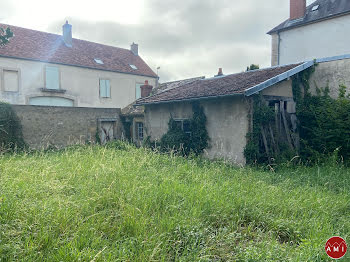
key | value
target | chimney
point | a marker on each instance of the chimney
(134, 48)
(297, 9)
(67, 34)
(146, 89)
(219, 73)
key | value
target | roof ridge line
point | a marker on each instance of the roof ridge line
(58, 35)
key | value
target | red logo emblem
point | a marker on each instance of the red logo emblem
(336, 247)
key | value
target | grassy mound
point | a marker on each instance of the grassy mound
(127, 204)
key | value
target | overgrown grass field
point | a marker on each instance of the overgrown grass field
(97, 203)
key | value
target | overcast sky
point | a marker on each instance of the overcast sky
(186, 38)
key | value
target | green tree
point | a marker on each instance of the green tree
(252, 67)
(5, 35)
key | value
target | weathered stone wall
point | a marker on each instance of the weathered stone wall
(331, 74)
(45, 126)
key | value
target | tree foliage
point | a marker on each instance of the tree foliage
(194, 141)
(324, 125)
(5, 35)
(252, 67)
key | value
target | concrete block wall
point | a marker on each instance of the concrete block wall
(45, 126)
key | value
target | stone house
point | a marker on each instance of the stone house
(315, 31)
(39, 68)
(227, 103)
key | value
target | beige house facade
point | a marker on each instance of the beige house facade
(23, 82)
(38, 68)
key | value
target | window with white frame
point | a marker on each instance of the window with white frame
(10, 80)
(52, 77)
(105, 88)
(138, 91)
(139, 130)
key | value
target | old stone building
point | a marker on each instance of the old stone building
(227, 103)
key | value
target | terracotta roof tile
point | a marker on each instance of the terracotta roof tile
(217, 86)
(46, 47)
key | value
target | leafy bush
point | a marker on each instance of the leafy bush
(324, 125)
(10, 128)
(194, 141)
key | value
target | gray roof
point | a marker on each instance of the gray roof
(326, 10)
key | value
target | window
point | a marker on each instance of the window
(105, 88)
(139, 126)
(52, 77)
(184, 124)
(138, 91)
(133, 67)
(10, 80)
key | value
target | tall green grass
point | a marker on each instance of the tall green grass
(125, 204)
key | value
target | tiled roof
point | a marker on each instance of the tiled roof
(40, 46)
(217, 86)
(132, 110)
(326, 9)
(170, 85)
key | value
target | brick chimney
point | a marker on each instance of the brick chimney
(146, 89)
(297, 9)
(219, 73)
(134, 48)
(67, 34)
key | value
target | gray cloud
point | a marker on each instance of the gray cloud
(193, 37)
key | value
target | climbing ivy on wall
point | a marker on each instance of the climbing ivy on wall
(262, 115)
(193, 141)
(324, 122)
(10, 129)
(323, 126)
(273, 133)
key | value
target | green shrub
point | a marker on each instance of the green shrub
(10, 128)
(194, 141)
(324, 126)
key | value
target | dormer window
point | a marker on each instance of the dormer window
(98, 61)
(133, 67)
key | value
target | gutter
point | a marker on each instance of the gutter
(81, 66)
(256, 89)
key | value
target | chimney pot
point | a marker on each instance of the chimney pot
(67, 34)
(297, 9)
(146, 89)
(134, 48)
